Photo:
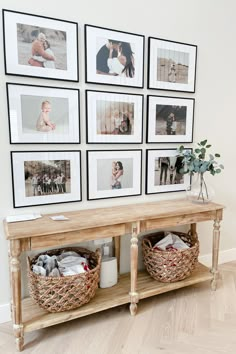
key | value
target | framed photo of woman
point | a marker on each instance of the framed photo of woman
(113, 57)
(43, 114)
(114, 118)
(171, 65)
(163, 172)
(45, 177)
(113, 173)
(39, 46)
(170, 119)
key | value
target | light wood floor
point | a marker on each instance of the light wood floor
(191, 320)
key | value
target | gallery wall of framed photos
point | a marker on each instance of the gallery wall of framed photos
(133, 129)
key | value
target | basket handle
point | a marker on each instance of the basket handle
(147, 242)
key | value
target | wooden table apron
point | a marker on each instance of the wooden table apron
(85, 225)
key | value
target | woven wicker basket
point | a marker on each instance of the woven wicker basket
(56, 294)
(170, 266)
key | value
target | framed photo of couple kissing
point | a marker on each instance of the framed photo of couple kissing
(172, 65)
(39, 46)
(114, 118)
(43, 114)
(113, 173)
(113, 57)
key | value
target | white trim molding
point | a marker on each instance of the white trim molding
(5, 313)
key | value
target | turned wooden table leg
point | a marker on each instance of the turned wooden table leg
(15, 269)
(193, 228)
(134, 268)
(215, 251)
(117, 252)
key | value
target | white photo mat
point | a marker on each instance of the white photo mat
(156, 45)
(151, 158)
(11, 19)
(93, 158)
(93, 97)
(15, 94)
(18, 174)
(97, 37)
(153, 101)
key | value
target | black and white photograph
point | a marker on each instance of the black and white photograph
(114, 117)
(45, 177)
(172, 65)
(170, 119)
(39, 46)
(164, 172)
(114, 57)
(113, 173)
(43, 114)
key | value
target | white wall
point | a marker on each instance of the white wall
(210, 24)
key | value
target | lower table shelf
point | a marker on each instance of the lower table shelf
(36, 318)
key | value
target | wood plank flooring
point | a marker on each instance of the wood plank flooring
(191, 320)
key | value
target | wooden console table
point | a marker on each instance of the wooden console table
(92, 224)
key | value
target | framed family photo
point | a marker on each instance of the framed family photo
(170, 119)
(172, 65)
(163, 172)
(114, 118)
(113, 173)
(39, 46)
(113, 57)
(43, 114)
(45, 177)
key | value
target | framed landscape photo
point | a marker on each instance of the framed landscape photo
(170, 119)
(113, 57)
(43, 114)
(171, 65)
(113, 173)
(47, 177)
(163, 172)
(39, 46)
(114, 118)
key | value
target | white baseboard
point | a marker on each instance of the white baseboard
(224, 256)
(5, 313)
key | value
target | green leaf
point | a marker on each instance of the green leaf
(217, 155)
(218, 170)
(203, 143)
(221, 166)
(208, 146)
(197, 151)
(211, 157)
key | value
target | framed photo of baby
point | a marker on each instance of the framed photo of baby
(171, 65)
(114, 118)
(43, 114)
(48, 177)
(39, 46)
(113, 57)
(113, 173)
(164, 172)
(170, 119)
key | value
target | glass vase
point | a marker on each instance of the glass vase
(199, 191)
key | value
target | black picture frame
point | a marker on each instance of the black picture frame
(97, 54)
(162, 177)
(26, 53)
(26, 116)
(114, 117)
(104, 179)
(46, 177)
(170, 119)
(171, 65)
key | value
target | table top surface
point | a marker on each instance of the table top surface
(99, 217)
